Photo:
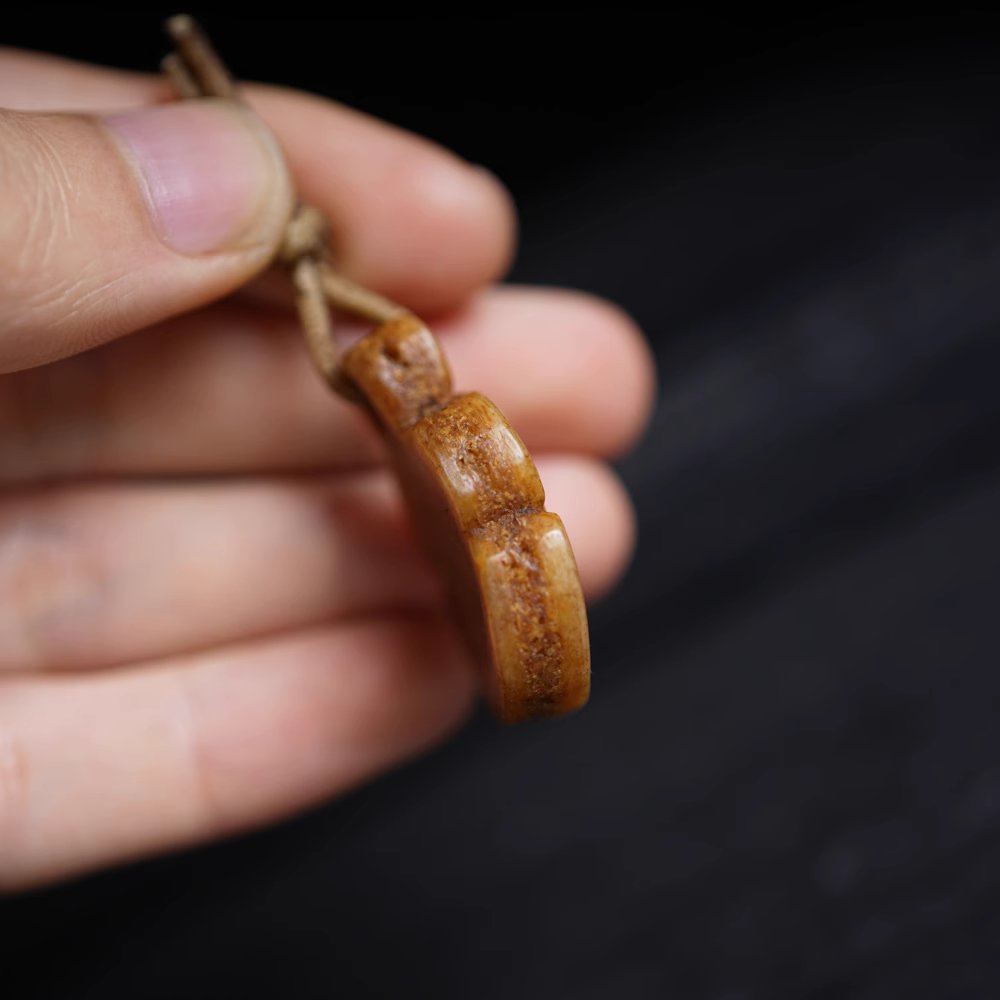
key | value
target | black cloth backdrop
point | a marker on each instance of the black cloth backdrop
(788, 781)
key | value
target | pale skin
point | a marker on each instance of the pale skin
(211, 612)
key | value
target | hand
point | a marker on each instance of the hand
(211, 614)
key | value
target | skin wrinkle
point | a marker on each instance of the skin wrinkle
(101, 310)
(35, 238)
(54, 217)
(81, 303)
(49, 219)
(19, 264)
(78, 301)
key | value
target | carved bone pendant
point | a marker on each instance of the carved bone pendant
(478, 507)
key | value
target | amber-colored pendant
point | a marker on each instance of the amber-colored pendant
(472, 490)
(478, 506)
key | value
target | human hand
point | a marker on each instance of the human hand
(211, 613)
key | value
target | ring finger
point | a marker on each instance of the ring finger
(94, 576)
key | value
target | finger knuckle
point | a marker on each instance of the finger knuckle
(48, 590)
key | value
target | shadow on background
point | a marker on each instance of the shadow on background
(788, 782)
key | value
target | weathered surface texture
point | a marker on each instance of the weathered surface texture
(479, 508)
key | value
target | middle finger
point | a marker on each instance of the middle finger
(231, 389)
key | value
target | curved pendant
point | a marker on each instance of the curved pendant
(477, 505)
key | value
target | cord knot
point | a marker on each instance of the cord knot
(305, 235)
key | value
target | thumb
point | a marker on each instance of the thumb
(110, 224)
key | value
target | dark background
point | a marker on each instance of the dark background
(788, 781)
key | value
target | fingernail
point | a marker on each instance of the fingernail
(211, 173)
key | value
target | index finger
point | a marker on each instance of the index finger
(409, 218)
